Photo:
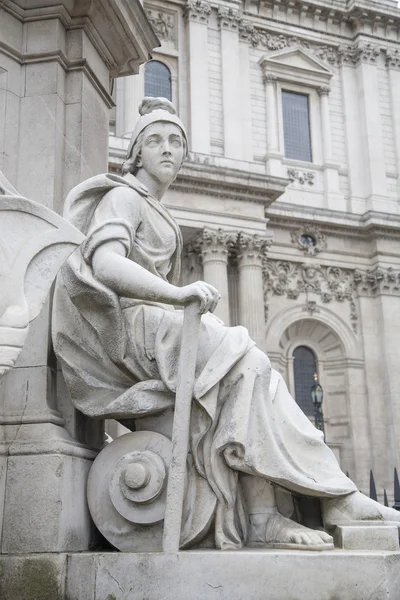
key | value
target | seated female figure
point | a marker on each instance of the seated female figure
(115, 325)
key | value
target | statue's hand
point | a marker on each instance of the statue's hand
(203, 292)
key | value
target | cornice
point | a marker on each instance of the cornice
(371, 224)
(222, 182)
(67, 64)
(118, 29)
(354, 15)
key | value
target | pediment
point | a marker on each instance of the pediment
(295, 60)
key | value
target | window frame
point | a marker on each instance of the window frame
(314, 118)
(315, 369)
(298, 70)
(308, 101)
(161, 62)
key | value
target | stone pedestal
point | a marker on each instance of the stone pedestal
(56, 61)
(206, 575)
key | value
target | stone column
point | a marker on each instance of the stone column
(197, 13)
(325, 123)
(54, 134)
(231, 81)
(274, 158)
(251, 253)
(333, 198)
(214, 246)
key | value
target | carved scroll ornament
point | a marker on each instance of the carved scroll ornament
(34, 243)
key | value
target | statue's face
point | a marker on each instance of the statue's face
(162, 151)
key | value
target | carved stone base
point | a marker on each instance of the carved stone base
(206, 575)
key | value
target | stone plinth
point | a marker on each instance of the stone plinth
(202, 575)
(56, 63)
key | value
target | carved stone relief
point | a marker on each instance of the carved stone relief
(377, 281)
(284, 278)
(309, 239)
(163, 24)
(301, 176)
(335, 55)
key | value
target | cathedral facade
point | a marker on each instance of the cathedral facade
(289, 198)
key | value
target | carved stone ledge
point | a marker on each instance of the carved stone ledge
(301, 176)
(300, 238)
(197, 10)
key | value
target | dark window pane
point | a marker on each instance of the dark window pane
(304, 368)
(157, 80)
(296, 126)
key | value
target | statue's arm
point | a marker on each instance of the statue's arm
(130, 280)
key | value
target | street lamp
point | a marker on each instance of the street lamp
(317, 395)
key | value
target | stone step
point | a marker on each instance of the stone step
(202, 575)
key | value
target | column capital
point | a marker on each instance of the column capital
(392, 58)
(229, 18)
(252, 249)
(358, 53)
(215, 244)
(324, 90)
(197, 10)
(268, 78)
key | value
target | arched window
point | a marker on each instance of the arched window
(157, 80)
(304, 368)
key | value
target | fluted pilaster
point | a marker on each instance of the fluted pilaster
(252, 251)
(214, 246)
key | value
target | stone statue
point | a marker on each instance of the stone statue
(117, 335)
(34, 243)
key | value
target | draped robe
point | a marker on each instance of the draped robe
(243, 417)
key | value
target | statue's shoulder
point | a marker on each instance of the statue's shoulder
(83, 200)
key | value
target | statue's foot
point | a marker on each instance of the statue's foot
(272, 530)
(355, 507)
